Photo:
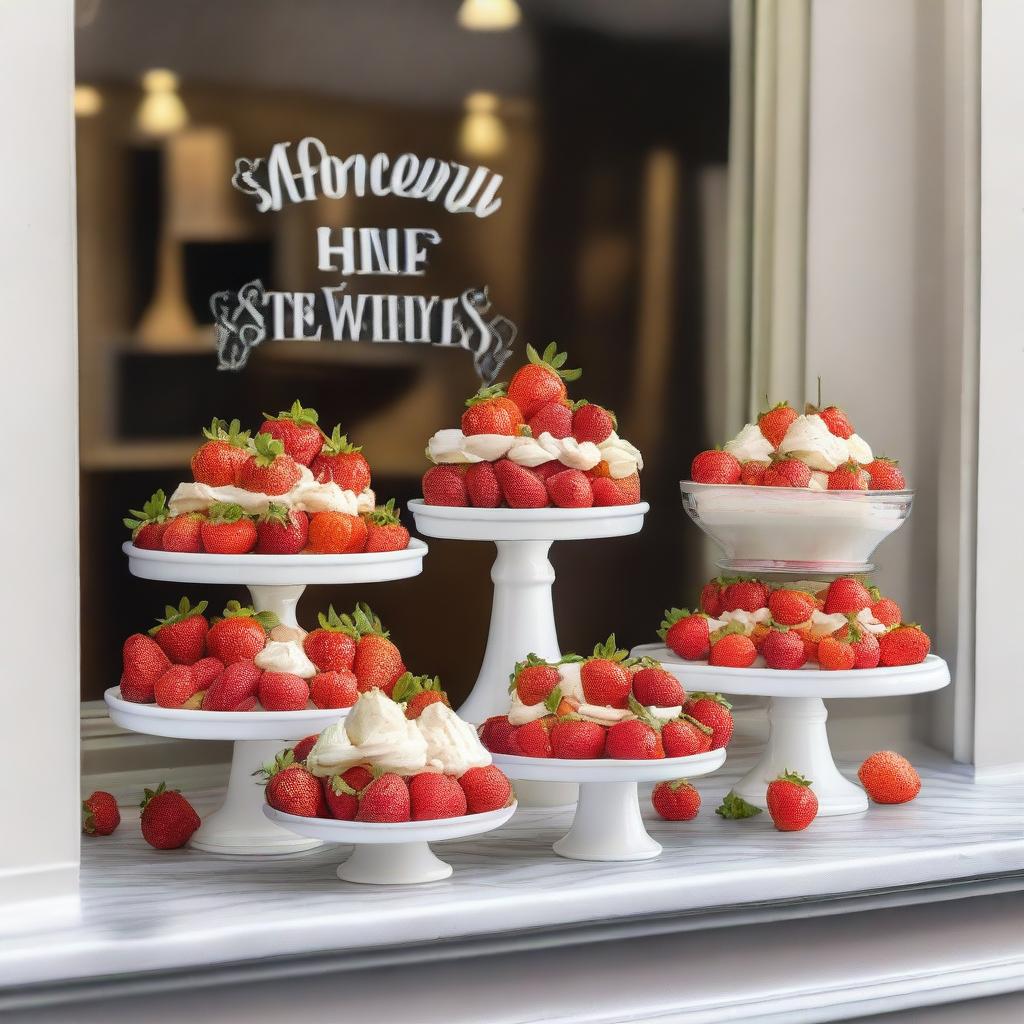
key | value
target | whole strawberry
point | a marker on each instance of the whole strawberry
(228, 530)
(866, 649)
(334, 689)
(417, 693)
(653, 686)
(570, 489)
(144, 662)
(332, 647)
(731, 649)
(607, 494)
(885, 475)
(884, 609)
(575, 738)
(791, 802)
(889, 778)
(269, 470)
(715, 467)
(533, 679)
(541, 380)
(234, 689)
(520, 487)
(384, 530)
(435, 796)
(219, 460)
(385, 799)
(904, 645)
(283, 691)
(685, 736)
(711, 596)
(605, 679)
(791, 607)
(591, 422)
(184, 533)
(342, 792)
(835, 655)
(303, 747)
(100, 815)
(686, 633)
(296, 428)
(635, 739)
(713, 711)
(148, 523)
(181, 633)
(775, 422)
(848, 477)
(489, 411)
(342, 463)
(676, 801)
(533, 739)
(168, 819)
(837, 422)
(481, 485)
(847, 595)
(496, 734)
(336, 533)
(783, 649)
(292, 789)
(175, 687)
(752, 472)
(486, 789)
(445, 485)
(787, 472)
(378, 662)
(281, 530)
(241, 634)
(744, 595)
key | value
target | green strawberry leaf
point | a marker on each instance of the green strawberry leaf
(735, 808)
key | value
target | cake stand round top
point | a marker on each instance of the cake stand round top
(761, 681)
(544, 524)
(607, 769)
(276, 570)
(187, 724)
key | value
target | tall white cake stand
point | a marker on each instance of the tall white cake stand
(797, 738)
(276, 583)
(608, 825)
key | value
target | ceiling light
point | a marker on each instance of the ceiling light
(88, 101)
(482, 133)
(161, 111)
(489, 15)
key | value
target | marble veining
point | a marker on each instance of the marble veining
(143, 910)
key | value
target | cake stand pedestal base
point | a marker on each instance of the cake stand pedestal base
(384, 864)
(608, 825)
(282, 601)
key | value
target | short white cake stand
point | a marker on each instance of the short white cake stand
(391, 853)
(797, 737)
(608, 825)
(237, 826)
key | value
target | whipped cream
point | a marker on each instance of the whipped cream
(623, 458)
(520, 713)
(866, 619)
(308, 495)
(285, 656)
(570, 682)
(453, 746)
(603, 715)
(665, 713)
(810, 440)
(818, 481)
(860, 450)
(822, 624)
(748, 620)
(750, 444)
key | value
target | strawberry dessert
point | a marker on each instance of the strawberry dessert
(285, 490)
(528, 445)
(606, 705)
(845, 624)
(390, 761)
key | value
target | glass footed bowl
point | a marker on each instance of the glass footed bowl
(765, 529)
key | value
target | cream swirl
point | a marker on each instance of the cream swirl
(285, 656)
(750, 445)
(453, 746)
(810, 440)
(623, 458)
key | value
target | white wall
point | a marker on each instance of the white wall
(39, 722)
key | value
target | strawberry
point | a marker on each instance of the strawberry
(377, 662)
(228, 531)
(332, 647)
(281, 531)
(554, 418)
(904, 645)
(342, 792)
(758, 635)
(533, 679)
(549, 469)
(885, 474)
(715, 467)
(435, 796)
(168, 819)
(385, 799)
(606, 493)
(541, 380)
(848, 477)
(283, 691)
(482, 486)
(297, 431)
(520, 487)
(731, 649)
(635, 740)
(715, 712)
(417, 692)
(744, 595)
(791, 802)
(810, 644)
(628, 487)
(489, 411)
(342, 463)
(292, 789)
(676, 801)
(752, 473)
(334, 689)
(204, 671)
(148, 523)
(496, 734)
(775, 422)
(144, 662)
(836, 421)
(234, 689)
(269, 470)
(711, 596)
(304, 746)
(570, 489)
(184, 533)
(848, 595)
(445, 485)
(686, 633)
(486, 789)
(791, 607)
(576, 739)
(889, 778)
(330, 533)
(532, 739)
(384, 531)
(655, 687)
(885, 609)
(685, 736)
(734, 808)
(835, 655)
(175, 686)
(604, 677)
(591, 422)
(787, 472)
(219, 460)
(241, 634)
(866, 650)
(100, 815)
(783, 649)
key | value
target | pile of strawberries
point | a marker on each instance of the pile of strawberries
(269, 464)
(187, 662)
(611, 680)
(534, 402)
(363, 794)
(786, 637)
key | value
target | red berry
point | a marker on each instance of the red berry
(570, 489)
(684, 737)
(435, 796)
(592, 423)
(445, 485)
(713, 711)
(686, 633)
(520, 487)
(168, 819)
(100, 815)
(385, 799)
(783, 649)
(655, 687)
(889, 778)
(577, 739)
(283, 691)
(486, 789)
(496, 734)
(904, 645)
(787, 472)
(482, 486)
(554, 419)
(715, 467)
(334, 689)
(676, 801)
(791, 802)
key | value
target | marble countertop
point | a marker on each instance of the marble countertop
(143, 911)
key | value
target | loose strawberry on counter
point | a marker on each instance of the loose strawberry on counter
(791, 802)
(168, 820)
(100, 815)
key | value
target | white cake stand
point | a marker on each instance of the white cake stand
(391, 853)
(608, 825)
(797, 738)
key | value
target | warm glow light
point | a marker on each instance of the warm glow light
(88, 101)
(489, 15)
(161, 111)
(482, 133)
